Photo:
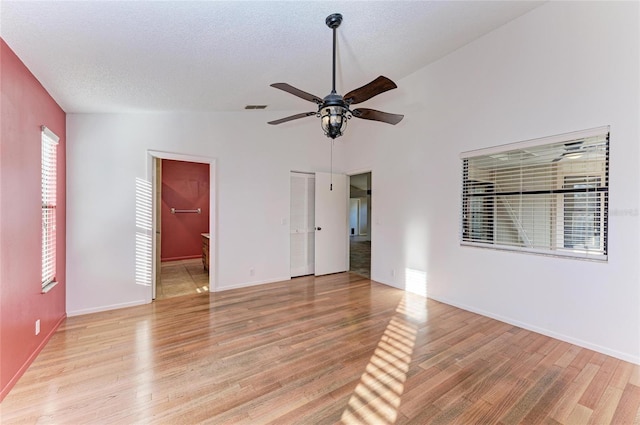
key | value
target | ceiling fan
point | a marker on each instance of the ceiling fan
(334, 110)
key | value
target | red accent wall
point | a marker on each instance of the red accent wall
(25, 106)
(185, 186)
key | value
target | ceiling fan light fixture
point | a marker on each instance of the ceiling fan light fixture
(333, 120)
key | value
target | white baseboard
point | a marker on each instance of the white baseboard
(252, 283)
(105, 308)
(566, 338)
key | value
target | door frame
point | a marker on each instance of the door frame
(152, 156)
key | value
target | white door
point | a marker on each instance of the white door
(302, 224)
(331, 222)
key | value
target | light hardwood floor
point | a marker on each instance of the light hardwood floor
(334, 349)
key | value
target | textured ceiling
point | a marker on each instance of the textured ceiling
(125, 56)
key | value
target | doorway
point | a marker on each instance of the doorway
(183, 217)
(360, 224)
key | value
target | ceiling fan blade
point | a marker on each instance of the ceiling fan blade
(374, 88)
(372, 114)
(291, 118)
(297, 92)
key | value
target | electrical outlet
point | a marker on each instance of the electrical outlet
(393, 272)
(37, 326)
(252, 271)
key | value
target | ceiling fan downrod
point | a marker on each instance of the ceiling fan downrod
(333, 21)
(334, 111)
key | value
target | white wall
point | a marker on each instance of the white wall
(563, 67)
(107, 153)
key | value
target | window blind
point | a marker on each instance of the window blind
(548, 198)
(49, 203)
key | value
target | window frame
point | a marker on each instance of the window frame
(552, 210)
(49, 177)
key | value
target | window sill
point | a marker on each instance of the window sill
(558, 253)
(49, 286)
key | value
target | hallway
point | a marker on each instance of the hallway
(360, 256)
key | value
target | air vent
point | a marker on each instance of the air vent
(255, 107)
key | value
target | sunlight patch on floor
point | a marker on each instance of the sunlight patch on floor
(377, 397)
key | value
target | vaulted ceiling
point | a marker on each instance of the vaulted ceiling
(127, 56)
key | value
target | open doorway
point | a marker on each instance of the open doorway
(183, 212)
(360, 224)
(184, 228)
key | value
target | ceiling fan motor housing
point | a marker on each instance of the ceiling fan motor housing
(334, 99)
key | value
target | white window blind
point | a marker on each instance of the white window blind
(548, 196)
(49, 203)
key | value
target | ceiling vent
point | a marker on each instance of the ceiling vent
(255, 107)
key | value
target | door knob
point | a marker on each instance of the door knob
(318, 228)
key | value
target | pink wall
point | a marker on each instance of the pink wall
(25, 106)
(185, 185)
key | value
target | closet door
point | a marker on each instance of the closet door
(302, 219)
(331, 224)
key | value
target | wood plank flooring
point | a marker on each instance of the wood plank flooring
(334, 349)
